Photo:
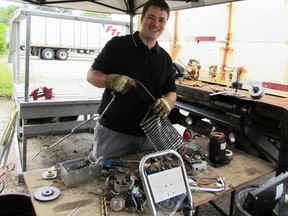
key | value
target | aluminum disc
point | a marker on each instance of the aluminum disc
(45, 194)
(117, 203)
(49, 174)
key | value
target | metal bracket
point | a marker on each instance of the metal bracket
(176, 181)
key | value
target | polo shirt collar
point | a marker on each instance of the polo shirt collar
(138, 42)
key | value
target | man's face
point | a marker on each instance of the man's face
(153, 23)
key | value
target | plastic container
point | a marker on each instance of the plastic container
(240, 197)
(16, 204)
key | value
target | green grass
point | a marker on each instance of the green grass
(6, 80)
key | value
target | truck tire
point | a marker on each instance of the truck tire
(62, 54)
(47, 54)
(34, 51)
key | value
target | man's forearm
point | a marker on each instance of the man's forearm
(96, 78)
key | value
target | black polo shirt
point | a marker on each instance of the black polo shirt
(128, 55)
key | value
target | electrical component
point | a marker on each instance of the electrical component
(199, 166)
(217, 147)
(256, 91)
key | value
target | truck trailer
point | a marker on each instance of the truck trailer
(53, 36)
(232, 74)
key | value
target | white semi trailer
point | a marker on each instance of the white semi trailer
(53, 35)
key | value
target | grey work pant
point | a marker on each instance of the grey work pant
(109, 143)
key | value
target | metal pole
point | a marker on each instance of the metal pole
(27, 58)
(131, 25)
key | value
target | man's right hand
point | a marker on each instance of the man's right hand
(119, 83)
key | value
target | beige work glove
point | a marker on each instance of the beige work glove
(162, 107)
(119, 83)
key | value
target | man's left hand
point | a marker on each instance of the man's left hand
(162, 107)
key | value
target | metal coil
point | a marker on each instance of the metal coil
(160, 131)
(162, 134)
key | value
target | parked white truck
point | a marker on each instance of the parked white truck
(53, 35)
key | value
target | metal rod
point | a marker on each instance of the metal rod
(73, 130)
(73, 211)
(63, 138)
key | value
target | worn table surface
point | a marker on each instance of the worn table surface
(201, 91)
(242, 170)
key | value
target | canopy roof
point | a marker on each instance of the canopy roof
(130, 7)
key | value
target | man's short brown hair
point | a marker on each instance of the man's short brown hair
(158, 3)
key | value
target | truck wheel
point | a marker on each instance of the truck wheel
(34, 51)
(47, 54)
(62, 54)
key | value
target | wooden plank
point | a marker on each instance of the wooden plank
(63, 93)
(83, 196)
(29, 111)
(57, 128)
(244, 169)
(204, 89)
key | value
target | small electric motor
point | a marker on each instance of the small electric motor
(217, 149)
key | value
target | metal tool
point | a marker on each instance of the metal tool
(42, 92)
(115, 163)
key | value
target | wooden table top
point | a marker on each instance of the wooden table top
(244, 169)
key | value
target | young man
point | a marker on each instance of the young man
(125, 65)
